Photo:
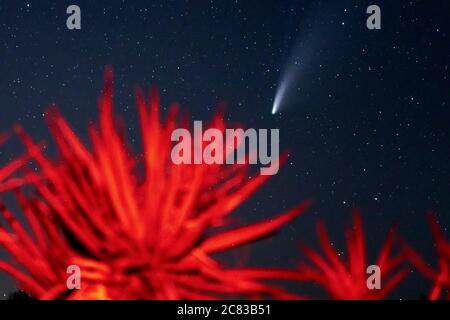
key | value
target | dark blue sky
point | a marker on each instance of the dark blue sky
(367, 123)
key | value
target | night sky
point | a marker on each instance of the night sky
(366, 123)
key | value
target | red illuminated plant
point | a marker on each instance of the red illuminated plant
(141, 227)
(138, 226)
(7, 182)
(347, 280)
(441, 275)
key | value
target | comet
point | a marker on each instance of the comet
(311, 40)
(287, 82)
(294, 70)
(279, 95)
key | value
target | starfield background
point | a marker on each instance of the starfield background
(366, 122)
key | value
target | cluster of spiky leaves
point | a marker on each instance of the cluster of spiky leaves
(440, 276)
(135, 222)
(348, 280)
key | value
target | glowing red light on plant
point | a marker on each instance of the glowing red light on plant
(441, 274)
(138, 226)
(347, 280)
